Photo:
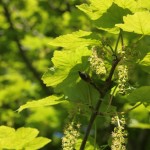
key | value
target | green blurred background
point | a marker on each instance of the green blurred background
(26, 26)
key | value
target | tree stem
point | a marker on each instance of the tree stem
(106, 87)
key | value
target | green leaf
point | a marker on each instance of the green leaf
(26, 134)
(142, 4)
(48, 101)
(74, 40)
(37, 143)
(6, 131)
(96, 8)
(66, 65)
(113, 16)
(126, 4)
(139, 117)
(138, 23)
(141, 94)
(81, 92)
(145, 63)
(19, 139)
(136, 124)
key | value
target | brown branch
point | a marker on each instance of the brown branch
(106, 87)
(21, 51)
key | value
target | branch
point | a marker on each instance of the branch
(106, 87)
(21, 51)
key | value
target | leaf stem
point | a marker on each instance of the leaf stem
(118, 39)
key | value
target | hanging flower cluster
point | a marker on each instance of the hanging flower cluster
(122, 78)
(71, 133)
(119, 134)
(97, 63)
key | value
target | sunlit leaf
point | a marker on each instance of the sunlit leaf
(66, 65)
(37, 143)
(126, 4)
(6, 131)
(74, 40)
(96, 8)
(138, 23)
(48, 101)
(113, 16)
(21, 138)
(143, 4)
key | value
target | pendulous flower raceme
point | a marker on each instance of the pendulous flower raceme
(97, 63)
(119, 134)
(71, 134)
(122, 78)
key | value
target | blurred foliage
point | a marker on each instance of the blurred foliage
(35, 23)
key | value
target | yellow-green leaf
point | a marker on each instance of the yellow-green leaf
(138, 23)
(22, 138)
(48, 101)
(66, 65)
(74, 40)
(126, 4)
(96, 8)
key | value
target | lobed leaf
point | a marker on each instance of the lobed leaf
(48, 101)
(113, 16)
(143, 4)
(138, 23)
(22, 138)
(66, 65)
(126, 4)
(74, 40)
(37, 143)
(96, 8)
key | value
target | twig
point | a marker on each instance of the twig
(103, 91)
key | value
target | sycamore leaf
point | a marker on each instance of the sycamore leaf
(113, 16)
(37, 143)
(19, 139)
(48, 101)
(96, 8)
(138, 23)
(66, 65)
(126, 4)
(74, 40)
(6, 131)
(80, 92)
(145, 63)
(65, 77)
(142, 4)
(141, 94)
